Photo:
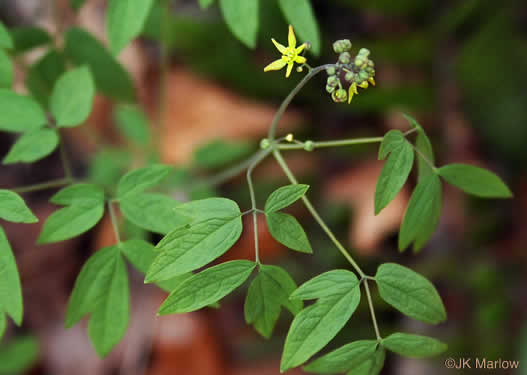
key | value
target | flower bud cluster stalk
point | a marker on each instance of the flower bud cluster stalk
(358, 71)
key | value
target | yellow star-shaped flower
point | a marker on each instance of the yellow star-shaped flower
(290, 54)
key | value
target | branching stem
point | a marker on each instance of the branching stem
(336, 143)
(313, 72)
(43, 186)
(115, 225)
(257, 159)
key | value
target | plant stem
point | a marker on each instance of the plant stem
(222, 176)
(316, 216)
(43, 186)
(372, 310)
(164, 58)
(313, 72)
(65, 160)
(422, 156)
(115, 225)
(337, 143)
(257, 159)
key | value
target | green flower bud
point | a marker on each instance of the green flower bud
(342, 45)
(364, 52)
(264, 143)
(333, 81)
(349, 76)
(345, 58)
(339, 96)
(359, 60)
(331, 71)
(309, 146)
(363, 75)
(330, 89)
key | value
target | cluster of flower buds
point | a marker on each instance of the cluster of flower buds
(357, 72)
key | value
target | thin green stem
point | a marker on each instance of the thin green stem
(115, 225)
(313, 72)
(315, 214)
(337, 143)
(165, 57)
(372, 310)
(257, 159)
(222, 176)
(422, 156)
(43, 186)
(66, 165)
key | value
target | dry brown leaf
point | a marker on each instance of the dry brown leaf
(356, 187)
(198, 111)
(186, 344)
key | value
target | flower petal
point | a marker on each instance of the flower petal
(275, 65)
(350, 94)
(300, 60)
(353, 88)
(291, 37)
(278, 46)
(372, 81)
(289, 69)
(301, 48)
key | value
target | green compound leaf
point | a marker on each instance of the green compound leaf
(110, 77)
(141, 254)
(300, 14)
(410, 293)
(10, 289)
(43, 74)
(413, 346)
(344, 358)
(139, 180)
(109, 319)
(474, 180)
(338, 296)
(423, 144)
(27, 38)
(287, 230)
(284, 197)
(85, 209)
(133, 124)
(6, 70)
(20, 113)
(125, 20)
(19, 355)
(79, 195)
(14, 209)
(242, 19)
(268, 292)
(423, 212)
(188, 248)
(154, 212)
(371, 366)
(72, 97)
(396, 170)
(91, 284)
(32, 146)
(207, 287)
(209, 208)
(219, 153)
(102, 290)
(6, 42)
